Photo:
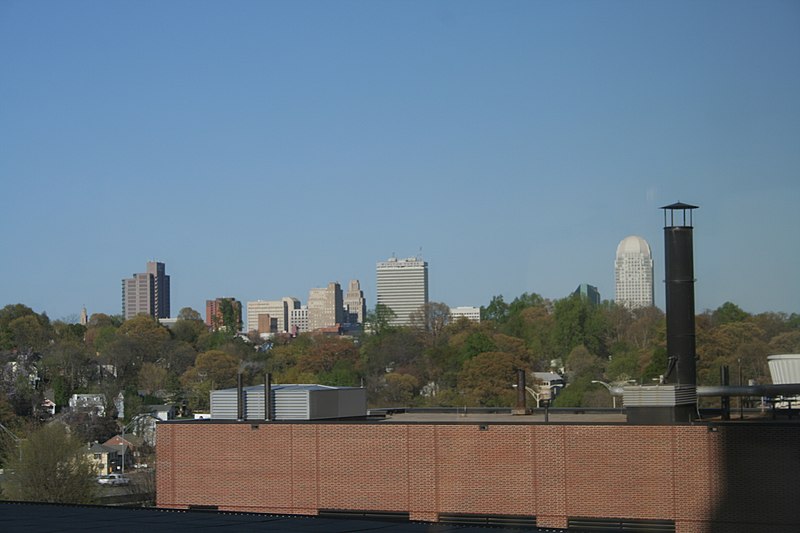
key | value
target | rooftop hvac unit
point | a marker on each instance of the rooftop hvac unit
(291, 402)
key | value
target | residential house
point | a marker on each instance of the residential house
(128, 449)
(103, 458)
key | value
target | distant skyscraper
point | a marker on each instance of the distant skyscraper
(278, 311)
(402, 287)
(84, 317)
(354, 303)
(589, 292)
(325, 307)
(146, 293)
(633, 272)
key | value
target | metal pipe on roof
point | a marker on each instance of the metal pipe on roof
(786, 389)
(724, 380)
(239, 398)
(267, 396)
(521, 404)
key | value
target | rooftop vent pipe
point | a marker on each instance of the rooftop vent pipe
(239, 398)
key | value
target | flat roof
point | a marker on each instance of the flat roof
(569, 416)
(44, 517)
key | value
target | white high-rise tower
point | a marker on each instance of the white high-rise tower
(402, 287)
(633, 273)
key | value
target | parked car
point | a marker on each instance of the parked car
(113, 479)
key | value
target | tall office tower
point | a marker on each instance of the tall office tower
(589, 292)
(402, 287)
(354, 303)
(325, 307)
(215, 313)
(278, 311)
(161, 289)
(146, 293)
(633, 272)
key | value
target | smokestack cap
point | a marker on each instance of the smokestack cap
(678, 206)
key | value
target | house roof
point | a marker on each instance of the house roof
(160, 407)
(131, 440)
(101, 448)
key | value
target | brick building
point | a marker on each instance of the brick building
(699, 478)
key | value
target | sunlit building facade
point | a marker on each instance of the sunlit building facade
(402, 287)
(146, 293)
(633, 273)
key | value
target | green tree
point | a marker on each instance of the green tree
(231, 312)
(53, 467)
(152, 378)
(783, 343)
(573, 394)
(727, 313)
(582, 363)
(188, 329)
(393, 348)
(476, 343)
(146, 331)
(177, 356)
(400, 389)
(187, 313)
(66, 331)
(212, 370)
(497, 310)
(29, 332)
(486, 379)
(8, 314)
(577, 322)
(380, 318)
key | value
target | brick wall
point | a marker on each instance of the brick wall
(735, 478)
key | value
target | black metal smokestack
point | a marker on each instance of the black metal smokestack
(675, 400)
(267, 396)
(679, 278)
(239, 398)
(521, 408)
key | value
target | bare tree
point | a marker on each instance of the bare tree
(431, 318)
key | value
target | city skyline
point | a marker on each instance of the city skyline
(264, 149)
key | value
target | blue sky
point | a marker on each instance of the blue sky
(263, 148)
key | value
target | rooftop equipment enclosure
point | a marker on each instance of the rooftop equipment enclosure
(290, 402)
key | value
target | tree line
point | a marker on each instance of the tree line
(435, 361)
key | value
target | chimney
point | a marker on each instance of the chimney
(239, 398)
(679, 279)
(674, 401)
(521, 408)
(267, 396)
